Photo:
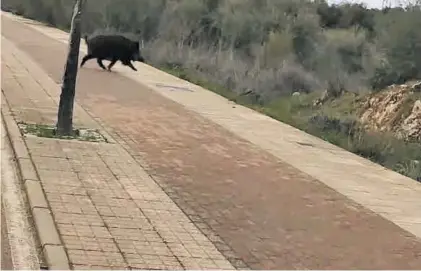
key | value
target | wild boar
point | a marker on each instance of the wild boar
(112, 48)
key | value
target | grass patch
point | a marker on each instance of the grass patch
(49, 131)
(335, 121)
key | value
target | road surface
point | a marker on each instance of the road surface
(18, 243)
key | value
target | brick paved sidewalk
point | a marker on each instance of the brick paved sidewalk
(341, 170)
(241, 197)
(109, 213)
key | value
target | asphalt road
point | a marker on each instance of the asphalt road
(6, 257)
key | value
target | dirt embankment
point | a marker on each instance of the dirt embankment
(396, 109)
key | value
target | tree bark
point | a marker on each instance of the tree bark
(65, 110)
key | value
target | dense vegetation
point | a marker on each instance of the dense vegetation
(269, 49)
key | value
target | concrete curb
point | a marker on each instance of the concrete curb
(48, 236)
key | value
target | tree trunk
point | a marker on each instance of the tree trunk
(65, 110)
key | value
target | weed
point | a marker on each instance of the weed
(48, 131)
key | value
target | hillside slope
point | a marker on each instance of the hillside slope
(396, 109)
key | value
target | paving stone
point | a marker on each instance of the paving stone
(96, 258)
(95, 267)
(45, 226)
(56, 257)
(27, 170)
(90, 243)
(35, 194)
(79, 219)
(45, 163)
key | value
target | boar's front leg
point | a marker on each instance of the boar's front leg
(99, 61)
(86, 58)
(111, 64)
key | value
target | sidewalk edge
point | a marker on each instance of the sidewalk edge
(52, 248)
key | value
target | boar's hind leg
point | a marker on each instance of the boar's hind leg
(111, 64)
(99, 61)
(86, 58)
(128, 63)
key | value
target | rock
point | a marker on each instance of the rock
(381, 112)
(416, 87)
(296, 93)
(411, 126)
(323, 98)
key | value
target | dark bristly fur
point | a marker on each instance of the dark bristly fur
(112, 48)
